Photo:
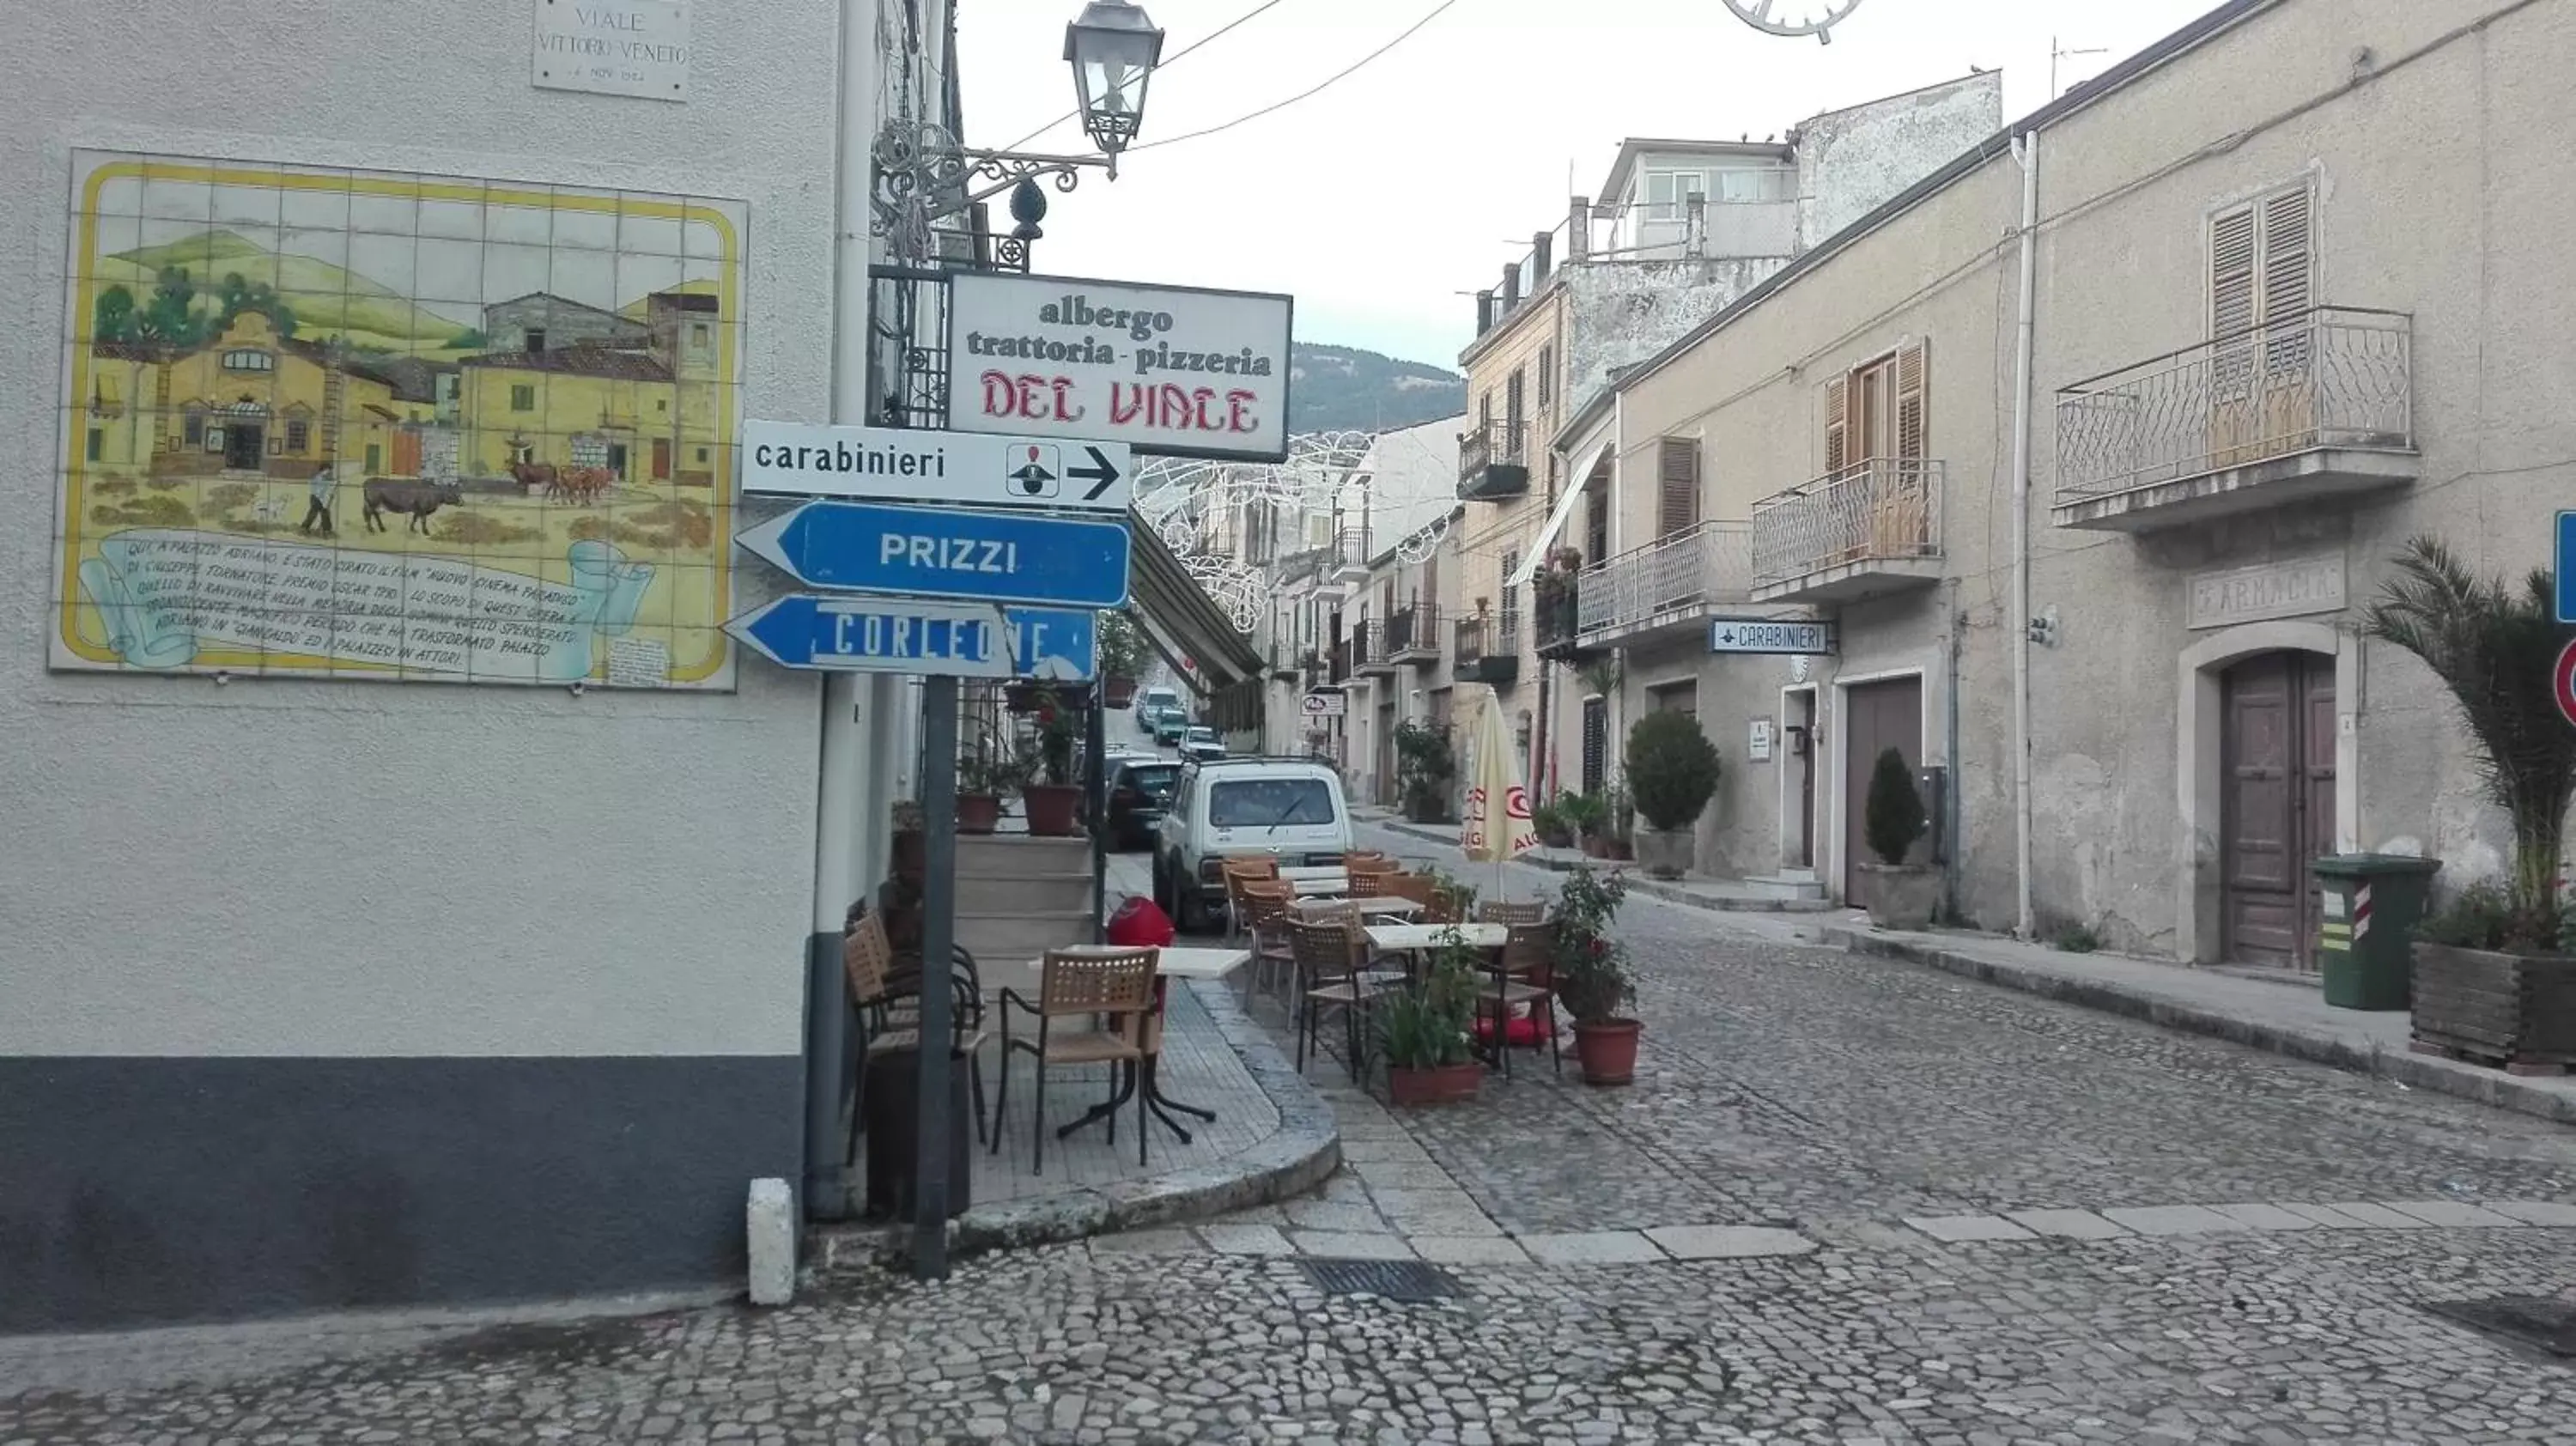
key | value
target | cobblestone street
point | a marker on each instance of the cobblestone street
(1934, 1211)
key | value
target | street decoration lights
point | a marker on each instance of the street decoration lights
(1794, 17)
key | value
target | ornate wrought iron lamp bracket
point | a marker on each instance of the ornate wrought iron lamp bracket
(924, 175)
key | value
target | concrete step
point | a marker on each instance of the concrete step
(1005, 945)
(1011, 856)
(1025, 894)
(1787, 884)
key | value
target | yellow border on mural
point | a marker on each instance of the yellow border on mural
(375, 183)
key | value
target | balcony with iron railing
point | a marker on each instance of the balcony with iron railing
(1487, 649)
(1665, 589)
(2316, 405)
(1871, 528)
(1370, 654)
(1350, 555)
(1413, 635)
(1490, 462)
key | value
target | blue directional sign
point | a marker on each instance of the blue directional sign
(2567, 567)
(1010, 557)
(899, 635)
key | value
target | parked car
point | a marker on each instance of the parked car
(1152, 706)
(1283, 808)
(1139, 789)
(1202, 744)
(1170, 726)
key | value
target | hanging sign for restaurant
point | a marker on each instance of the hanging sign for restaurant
(1170, 371)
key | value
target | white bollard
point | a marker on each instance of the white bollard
(770, 1220)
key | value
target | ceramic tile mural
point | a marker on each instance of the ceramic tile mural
(355, 424)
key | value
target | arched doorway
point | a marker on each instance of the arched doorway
(2277, 803)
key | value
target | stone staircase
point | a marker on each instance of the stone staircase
(1017, 897)
(1787, 884)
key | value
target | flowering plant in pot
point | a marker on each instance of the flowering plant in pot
(1053, 800)
(1674, 767)
(1423, 1026)
(2495, 973)
(1898, 895)
(1123, 655)
(1591, 976)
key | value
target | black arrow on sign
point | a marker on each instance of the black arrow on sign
(1100, 474)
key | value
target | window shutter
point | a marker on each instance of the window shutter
(1677, 473)
(1837, 429)
(1546, 376)
(1913, 399)
(2231, 273)
(2288, 256)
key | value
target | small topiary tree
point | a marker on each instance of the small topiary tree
(1893, 816)
(1672, 769)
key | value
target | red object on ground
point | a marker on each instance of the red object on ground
(1139, 923)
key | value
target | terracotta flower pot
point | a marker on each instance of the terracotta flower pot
(1052, 809)
(1608, 1050)
(978, 812)
(1440, 1085)
(1117, 692)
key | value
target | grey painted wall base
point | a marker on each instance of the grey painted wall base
(153, 1190)
(1305, 1151)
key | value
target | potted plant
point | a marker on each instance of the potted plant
(1549, 819)
(1619, 829)
(984, 774)
(1424, 1028)
(1674, 769)
(1591, 976)
(1554, 587)
(2494, 976)
(1424, 767)
(1123, 656)
(1048, 792)
(1897, 894)
(1585, 815)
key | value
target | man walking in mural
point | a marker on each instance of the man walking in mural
(319, 509)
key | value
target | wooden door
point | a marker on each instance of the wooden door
(1876, 717)
(661, 459)
(407, 452)
(2277, 760)
(1798, 743)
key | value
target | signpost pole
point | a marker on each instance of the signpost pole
(938, 936)
(1095, 781)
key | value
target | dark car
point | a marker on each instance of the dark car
(1138, 794)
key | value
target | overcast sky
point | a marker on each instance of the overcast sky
(1385, 201)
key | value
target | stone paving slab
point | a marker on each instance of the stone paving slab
(2173, 1220)
(1962, 1229)
(2537, 1212)
(2266, 1217)
(1594, 1247)
(1469, 1250)
(1728, 1242)
(2377, 1216)
(2453, 1214)
(1350, 1245)
(1246, 1239)
(2066, 1224)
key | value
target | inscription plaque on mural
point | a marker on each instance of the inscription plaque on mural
(2289, 589)
(612, 47)
(351, 424)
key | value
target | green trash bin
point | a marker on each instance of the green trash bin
(2371, 905)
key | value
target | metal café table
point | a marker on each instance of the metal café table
(1309, 882)
(1169, 964)
(1386, 906)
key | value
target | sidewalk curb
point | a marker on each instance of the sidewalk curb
(1558, 861)
(2424, 1072)
(1306, 1148)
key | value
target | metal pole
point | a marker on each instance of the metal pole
(1095, 781)
(2026, 151)
(938, 937)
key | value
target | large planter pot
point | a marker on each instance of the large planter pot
(911, 852)
(978, 812)
(1665, 853)
(1557, 838)
(1595, 846)
(1446, 1084)
(1618, 850)
(2516, 1010)
(1117, 692)
(1904, 896)
(1053, 809)
(1608, 1050)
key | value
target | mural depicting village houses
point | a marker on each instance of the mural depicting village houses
(351, 424)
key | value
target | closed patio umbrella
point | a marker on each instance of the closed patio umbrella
(1497, 823)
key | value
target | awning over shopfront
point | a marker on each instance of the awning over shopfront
(1186, 626)
(1575, 483)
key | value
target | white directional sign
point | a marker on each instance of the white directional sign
(1327, 705)
(800, 459)
(1770, 635)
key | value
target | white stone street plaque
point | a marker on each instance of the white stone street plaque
(613, 47)
(2292, 588)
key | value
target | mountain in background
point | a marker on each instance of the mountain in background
(1341, 388)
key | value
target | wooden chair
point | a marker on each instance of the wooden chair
(1367, 880)
(1329, 977)
(1523, 977)
(1236, 873)
(881, 983)
(1424, 890)
(1266, 914)
(1077, 986)
(1367, 858)
(1497, 911)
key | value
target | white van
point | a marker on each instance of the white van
(1290, 809)
(1151, 705)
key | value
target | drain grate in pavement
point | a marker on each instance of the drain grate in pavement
(2534, 1320)
(1409, 1281)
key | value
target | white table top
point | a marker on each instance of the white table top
(1171, 963)
(1400, 937)
(1383, 904)
(1319, 886)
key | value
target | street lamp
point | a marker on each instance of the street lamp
(1113, 48)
